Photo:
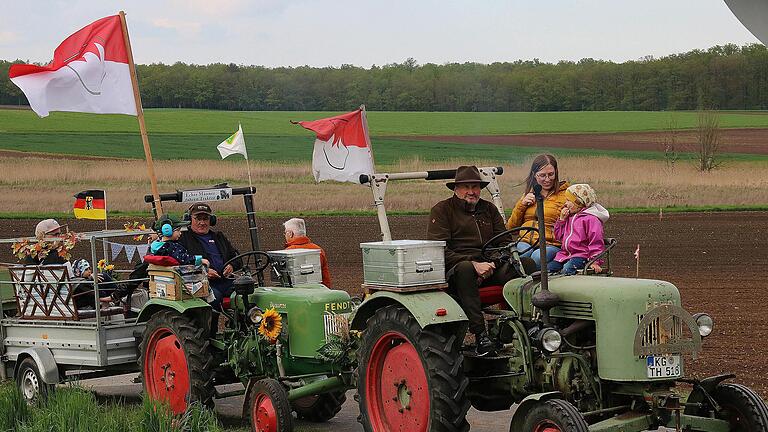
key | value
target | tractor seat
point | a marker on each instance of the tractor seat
(492, 294)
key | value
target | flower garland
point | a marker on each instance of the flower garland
(135, 226)
(40, 249)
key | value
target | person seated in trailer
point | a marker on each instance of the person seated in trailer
(81, 270)
(296, 238)
(46, 228)
(465, 222)
(168, 244)
(580, 230)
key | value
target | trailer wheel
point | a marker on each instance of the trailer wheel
(410, 378)
(319, 408)
(176, 361)
(742, 408)
(30, 382)
(269, 407)
(554, 415)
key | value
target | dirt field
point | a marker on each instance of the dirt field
(751, 141)
(717, 260)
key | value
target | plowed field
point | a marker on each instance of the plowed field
(717, 260)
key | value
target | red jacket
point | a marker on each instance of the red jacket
(303, 242)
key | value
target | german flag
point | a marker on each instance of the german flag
(91, 204)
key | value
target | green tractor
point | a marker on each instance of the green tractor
(576, 353)
(289, 344)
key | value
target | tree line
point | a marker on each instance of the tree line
(727, 77)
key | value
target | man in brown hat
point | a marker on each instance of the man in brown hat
(465, 222)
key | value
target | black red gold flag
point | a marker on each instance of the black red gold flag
(91, 204)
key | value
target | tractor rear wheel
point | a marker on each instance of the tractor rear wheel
(742, 408)
(319, 408)
(410, 378)
(554, 415)
(176, 361)
(269, 407)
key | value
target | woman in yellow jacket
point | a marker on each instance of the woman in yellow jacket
(544, 172)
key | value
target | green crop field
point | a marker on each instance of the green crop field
(194, 134)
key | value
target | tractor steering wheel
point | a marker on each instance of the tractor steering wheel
(504, 251)
(260, 260)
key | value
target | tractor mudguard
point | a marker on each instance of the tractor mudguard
(423, 305)
(46, 364)
(525, 405)
(181, 306)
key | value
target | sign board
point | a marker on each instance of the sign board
(206, 195)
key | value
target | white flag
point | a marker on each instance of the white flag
(233, 145)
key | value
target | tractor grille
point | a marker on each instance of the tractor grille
(660, 333)
(336, 324)
(573, 309)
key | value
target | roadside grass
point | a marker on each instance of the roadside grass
(277, 123)
(34, 187)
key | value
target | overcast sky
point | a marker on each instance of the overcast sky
(363, 33)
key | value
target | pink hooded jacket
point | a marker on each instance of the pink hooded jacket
(582, 233)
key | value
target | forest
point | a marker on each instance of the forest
(727, 77)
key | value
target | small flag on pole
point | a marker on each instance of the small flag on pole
(91, 204)
(235, 144)
(637, 252)
(637, 261)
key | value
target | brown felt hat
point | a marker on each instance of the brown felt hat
(467, 174)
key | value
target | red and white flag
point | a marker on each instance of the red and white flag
(342, 151)
(637, 252)
(89, 73)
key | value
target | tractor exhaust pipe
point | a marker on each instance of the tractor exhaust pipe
(544, 299)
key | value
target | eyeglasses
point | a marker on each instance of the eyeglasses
(542, 176)
(202, 217)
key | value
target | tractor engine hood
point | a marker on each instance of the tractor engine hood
(618, 307)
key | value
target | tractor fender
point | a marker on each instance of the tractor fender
(423, 305)
(182, 306)
(526, 404)
(46, 364)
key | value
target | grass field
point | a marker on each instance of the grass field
(194, 134)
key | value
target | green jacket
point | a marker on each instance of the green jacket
(463, 232)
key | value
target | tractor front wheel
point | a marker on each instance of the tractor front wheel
(741, 407)
(410, 378)
(269, 407)
(554, 415)
(176, 361)
(319, 408)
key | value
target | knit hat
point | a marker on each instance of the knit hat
(581, 194)
(80, 266)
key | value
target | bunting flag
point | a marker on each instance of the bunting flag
(89, 73)
(129, 251)
(342, 151)
(142, 250)
(116, 249)
(91, 204)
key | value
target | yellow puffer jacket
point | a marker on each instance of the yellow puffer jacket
(523, 215)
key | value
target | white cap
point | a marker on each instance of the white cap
(45, 227)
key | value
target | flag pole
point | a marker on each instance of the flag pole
(367, 135)
(247, 162)
(140, 117)
(378, 196)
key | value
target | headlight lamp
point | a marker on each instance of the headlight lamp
(705, 324)
(550, 339)
(255, 315)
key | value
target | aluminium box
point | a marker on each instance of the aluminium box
(302, 265)
(404, 263)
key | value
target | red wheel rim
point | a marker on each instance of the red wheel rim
(263, 414)
(546, 426)
(396, 390)
(166, 373)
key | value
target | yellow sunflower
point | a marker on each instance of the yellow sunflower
(271, 324)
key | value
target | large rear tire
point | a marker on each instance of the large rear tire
(319, 408)
(554, 415)
(176, 362)
(742, 408)
(410, 378)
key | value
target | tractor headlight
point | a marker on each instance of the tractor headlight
(705, 324)
(255, 315)
(550, 339)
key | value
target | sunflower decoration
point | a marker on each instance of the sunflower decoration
(271, 325)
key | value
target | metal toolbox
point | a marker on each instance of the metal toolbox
(301, 265)
(404, 263)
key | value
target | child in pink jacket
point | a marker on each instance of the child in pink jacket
(580, 229)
